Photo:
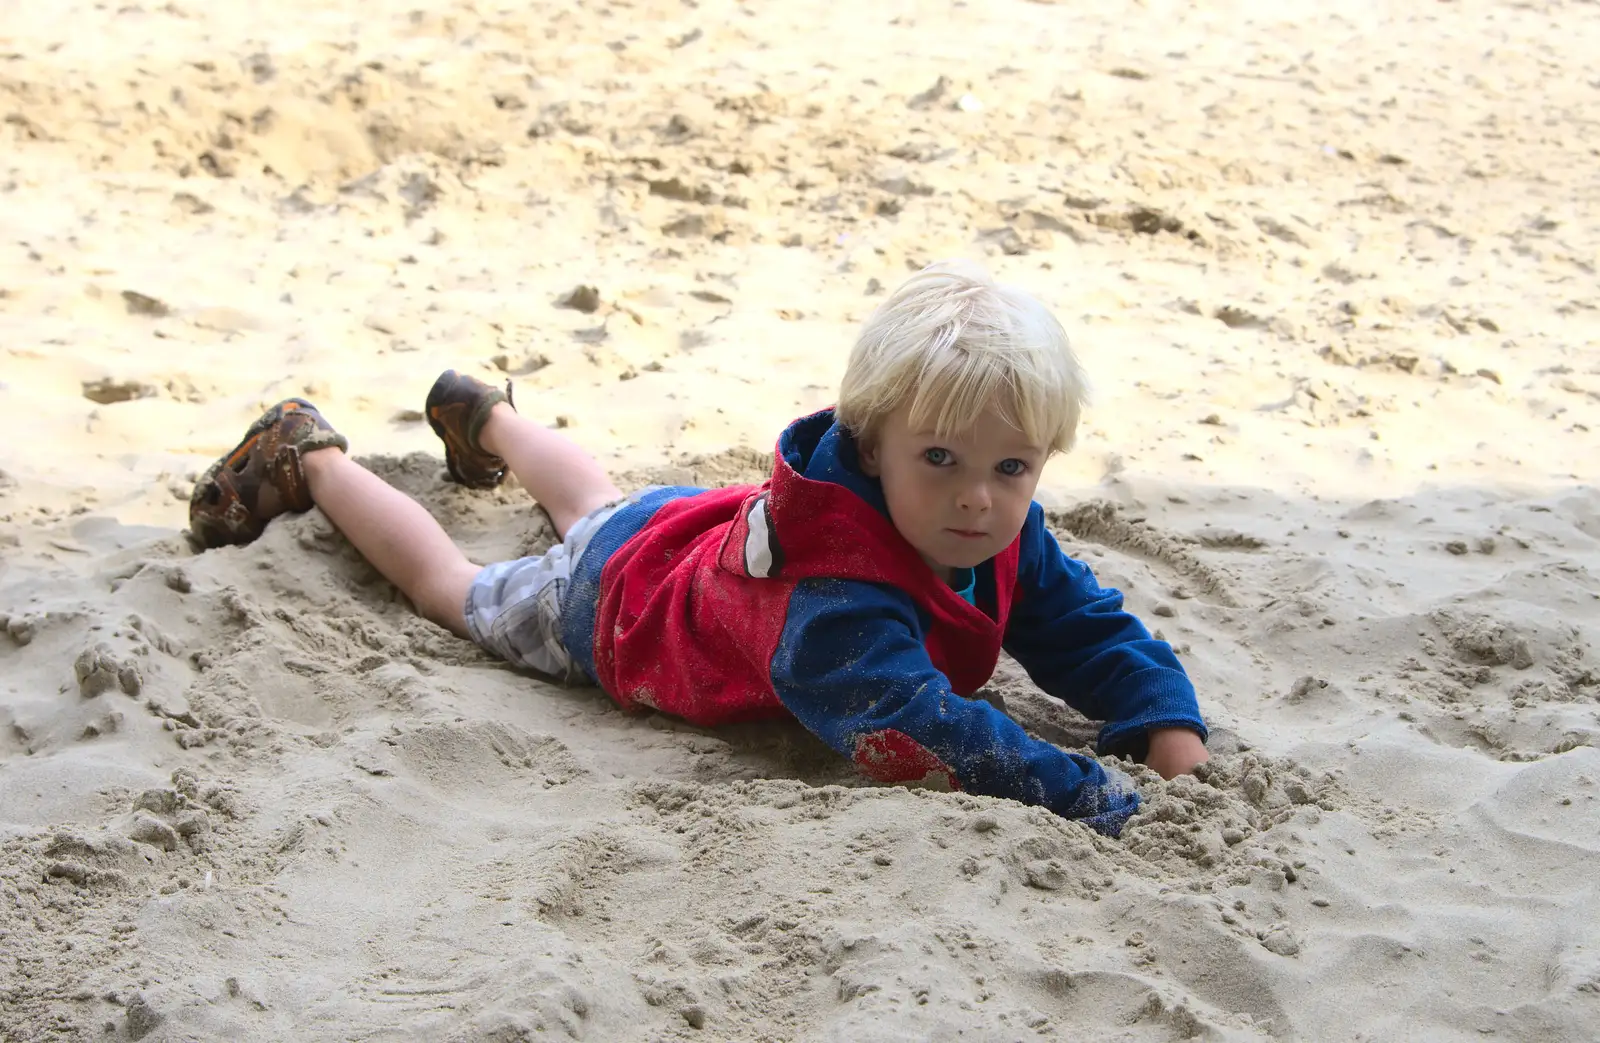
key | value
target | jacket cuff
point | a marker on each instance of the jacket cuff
(1164, 699)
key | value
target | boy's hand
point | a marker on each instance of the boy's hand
(1175, 751)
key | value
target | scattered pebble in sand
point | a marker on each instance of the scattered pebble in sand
(583, 298)
(109, 391)
(142, 304)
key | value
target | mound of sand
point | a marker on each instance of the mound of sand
(1331, 272)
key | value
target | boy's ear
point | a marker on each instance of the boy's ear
(867, 455)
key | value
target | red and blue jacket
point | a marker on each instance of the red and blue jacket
(799, 597)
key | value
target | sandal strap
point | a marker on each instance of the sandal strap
(491, 397)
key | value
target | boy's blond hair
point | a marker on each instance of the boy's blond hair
(952, 341)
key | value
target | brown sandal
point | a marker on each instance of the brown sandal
(224, 509)
(457, 408)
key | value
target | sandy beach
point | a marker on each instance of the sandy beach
(1332, 273)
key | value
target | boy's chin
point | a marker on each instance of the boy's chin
(960, 561)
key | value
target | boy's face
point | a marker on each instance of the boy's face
(959, 500)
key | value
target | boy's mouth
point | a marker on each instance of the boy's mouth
(971, 534)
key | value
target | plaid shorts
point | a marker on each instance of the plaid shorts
(514, 607)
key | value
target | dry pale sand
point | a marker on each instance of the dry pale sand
(1333, 273)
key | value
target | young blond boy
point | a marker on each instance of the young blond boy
(866, 588)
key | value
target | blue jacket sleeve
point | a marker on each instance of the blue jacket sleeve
(1077, 643)
(851, 665)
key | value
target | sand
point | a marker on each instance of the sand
(1333, 275)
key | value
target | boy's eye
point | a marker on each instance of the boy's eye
(1012, 468)
(937, 457)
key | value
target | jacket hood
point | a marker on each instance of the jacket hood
(820, 449)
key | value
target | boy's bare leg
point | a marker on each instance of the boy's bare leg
(566, 480)
(396, 534)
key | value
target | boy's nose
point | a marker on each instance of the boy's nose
(975, 497)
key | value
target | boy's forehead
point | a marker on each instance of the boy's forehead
(988, 431)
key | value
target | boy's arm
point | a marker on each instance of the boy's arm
(852, 667)
(1077, 643)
